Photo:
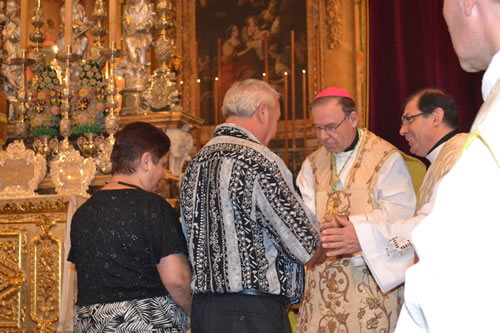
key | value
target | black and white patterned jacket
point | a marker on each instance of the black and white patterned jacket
(245, 223)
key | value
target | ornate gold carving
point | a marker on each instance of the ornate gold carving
(71, 173)
(20, 170)
(334, 23)
(39, 204)
(12, 278)
(362, 52)
(314, 47)
(45, 274)
(31, 234)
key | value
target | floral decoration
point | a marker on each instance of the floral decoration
(88, 101)
(44, 103)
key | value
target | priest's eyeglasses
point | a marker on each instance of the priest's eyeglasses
(329, 129)
(406, 120)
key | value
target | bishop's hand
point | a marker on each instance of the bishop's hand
(338, 236)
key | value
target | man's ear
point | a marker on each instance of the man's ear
(437, 116)
(354, 117)
(262, 113)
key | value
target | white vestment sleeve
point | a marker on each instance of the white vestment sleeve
(388, 247)
(305, 182)
(393, 192)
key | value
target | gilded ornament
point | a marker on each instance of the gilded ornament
(20, 170)
(334, 22)
(12, 277)
(71, 173)
(45, 263)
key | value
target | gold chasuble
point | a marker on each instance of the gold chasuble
(341, 294)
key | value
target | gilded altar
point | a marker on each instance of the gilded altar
(32, 233)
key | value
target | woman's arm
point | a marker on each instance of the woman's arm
(175, 273)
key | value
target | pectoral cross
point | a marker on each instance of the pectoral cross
(333, 204)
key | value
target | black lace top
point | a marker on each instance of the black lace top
(117, 238)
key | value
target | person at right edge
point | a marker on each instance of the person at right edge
(454, 286)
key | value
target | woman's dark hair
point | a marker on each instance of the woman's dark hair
(134, 140)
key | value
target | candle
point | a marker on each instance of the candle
(266, 59)
(197, 112)
(219, 78)
(285, 107)
(24, 24)
(197, 109)
(112, 22)
(68, 22)
(304, 110)
(318, 59)
(216, 100)
(292, 84)
(181, 90)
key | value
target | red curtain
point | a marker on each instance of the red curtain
(410, 49)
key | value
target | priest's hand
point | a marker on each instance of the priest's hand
(339, 237)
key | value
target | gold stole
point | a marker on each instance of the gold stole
(446, 159)
(356, 195)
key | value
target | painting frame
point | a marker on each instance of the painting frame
(320, 26)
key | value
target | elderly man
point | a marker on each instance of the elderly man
(429, 123)
(454, 287)
(248, 231)
(360, 176)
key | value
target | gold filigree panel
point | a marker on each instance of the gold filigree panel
(31, 238)
(45, 259)
(12, 277)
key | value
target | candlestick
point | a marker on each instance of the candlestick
(23, 44)
(68, 22)
(112, 21)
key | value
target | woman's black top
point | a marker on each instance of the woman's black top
(117, 239)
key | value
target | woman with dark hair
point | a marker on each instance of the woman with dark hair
(128, 247)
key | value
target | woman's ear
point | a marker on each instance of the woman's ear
(145, 161)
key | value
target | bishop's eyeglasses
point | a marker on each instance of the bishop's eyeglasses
(329, 129)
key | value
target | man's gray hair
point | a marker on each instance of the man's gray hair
(245, 97)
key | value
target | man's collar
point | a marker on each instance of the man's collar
(443, 140)
(354, 142)
(230, 129)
